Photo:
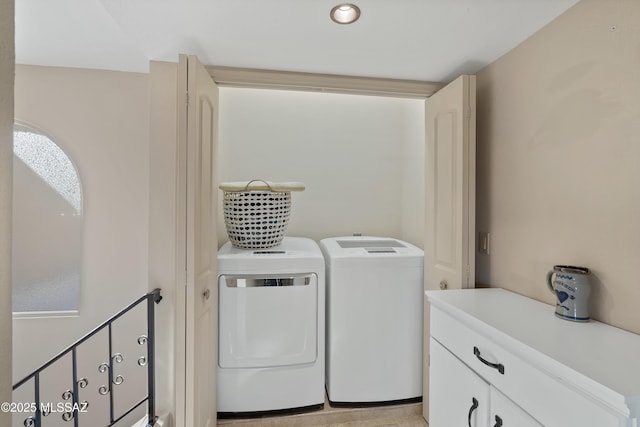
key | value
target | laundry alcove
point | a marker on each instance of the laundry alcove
(361, 158)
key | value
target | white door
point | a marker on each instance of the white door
(450, 186)
(450, 176)
(201, 244)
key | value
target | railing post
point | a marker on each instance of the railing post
(154, 298)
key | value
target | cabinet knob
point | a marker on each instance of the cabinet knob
(206, 294)
(443, 285)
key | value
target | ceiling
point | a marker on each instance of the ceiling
(429, 40)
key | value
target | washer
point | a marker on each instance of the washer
(374, 319)
(271, 328)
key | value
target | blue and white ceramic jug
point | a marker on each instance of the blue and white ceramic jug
(572, 288)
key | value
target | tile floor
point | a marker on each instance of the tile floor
(407, 415)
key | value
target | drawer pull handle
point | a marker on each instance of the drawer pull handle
(498, 422)
(474, 406)
(498, 366)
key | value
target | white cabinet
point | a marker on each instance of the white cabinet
(465, 399)
(501, 359)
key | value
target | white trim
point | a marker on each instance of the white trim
(311, 82)
(181, 248)
(45, 314)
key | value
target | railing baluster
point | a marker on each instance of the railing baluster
(36, 386)
(110, 377)
(74, 397)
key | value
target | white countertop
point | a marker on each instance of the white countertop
(604, 361)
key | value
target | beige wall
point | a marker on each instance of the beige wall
(101, 120)
(559, 158)
(127, 167)
(6, 156)
(360, 158)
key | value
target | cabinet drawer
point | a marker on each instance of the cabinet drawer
(547, 399)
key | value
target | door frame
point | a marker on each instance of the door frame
(180, 250)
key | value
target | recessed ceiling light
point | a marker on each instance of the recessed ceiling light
(345, 13)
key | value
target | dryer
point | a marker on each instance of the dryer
(271, 327)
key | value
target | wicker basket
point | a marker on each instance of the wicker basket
(256, 218)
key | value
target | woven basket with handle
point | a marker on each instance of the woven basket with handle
(256, 213)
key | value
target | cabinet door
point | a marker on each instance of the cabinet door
(457, 396)
(505, 413)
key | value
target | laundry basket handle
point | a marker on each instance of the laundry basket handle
(246, 187)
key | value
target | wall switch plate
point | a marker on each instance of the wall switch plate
(483, 242)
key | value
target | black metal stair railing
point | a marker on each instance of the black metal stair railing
(71, 406)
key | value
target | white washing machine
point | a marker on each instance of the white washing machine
(271, 328)
(374, 319)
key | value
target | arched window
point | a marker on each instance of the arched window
(47, 225)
